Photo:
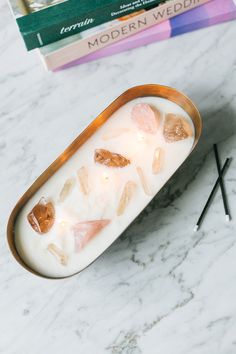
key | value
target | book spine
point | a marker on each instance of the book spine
(118, 32)
(40, 35)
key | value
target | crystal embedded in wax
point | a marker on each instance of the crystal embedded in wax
(83, 180)
(58, 253)
(126, 196)
(42, 216)
(176, 128)
(146, 118)
(144, 182)
(115, 133)
(115, 194)
(86, 230)
(110, 159)
(158, 160)
(66, 189)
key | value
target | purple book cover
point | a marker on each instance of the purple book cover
(214, 12)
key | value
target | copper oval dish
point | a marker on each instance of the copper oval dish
(133, 93)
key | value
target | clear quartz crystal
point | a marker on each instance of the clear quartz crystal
(158, 160)
(41, 4)
(83, 180)
(58, 253)
(67, 188)
(126, 196)
(115, 133)
(143, 180)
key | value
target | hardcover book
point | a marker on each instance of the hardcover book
(74, 47)
(212, 13)
(41, 24)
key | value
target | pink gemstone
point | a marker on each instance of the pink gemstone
(86, 230)
(146, 118)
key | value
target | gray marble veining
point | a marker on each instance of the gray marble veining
(160, 288)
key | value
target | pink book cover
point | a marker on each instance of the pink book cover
(214, 12)
(87, 42)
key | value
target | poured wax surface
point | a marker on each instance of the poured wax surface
(106, 187)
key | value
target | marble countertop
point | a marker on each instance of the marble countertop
(160, 288)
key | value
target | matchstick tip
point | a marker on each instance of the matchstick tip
(227, 218)
(196, 227)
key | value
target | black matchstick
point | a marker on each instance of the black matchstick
(222, 187)
(199, 222)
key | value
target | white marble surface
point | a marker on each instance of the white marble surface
(160, 288)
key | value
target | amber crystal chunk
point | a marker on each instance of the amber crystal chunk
(110, 159)
(42, 216)
(176, 128)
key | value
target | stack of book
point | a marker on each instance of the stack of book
(71, 32)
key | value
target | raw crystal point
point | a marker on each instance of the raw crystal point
(126, 196)
(115, 133)
(83, 180)
(110, 159)
(58, 253)
(67, 188)
(146, 118)
(176, 128)
(158, 160)
(42, 216)
(144, 182)
(86, 230)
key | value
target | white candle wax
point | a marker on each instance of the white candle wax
(105, 189)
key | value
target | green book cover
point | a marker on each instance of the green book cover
(52, 23)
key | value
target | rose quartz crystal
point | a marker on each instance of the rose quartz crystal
(146, 118)
(86, 230)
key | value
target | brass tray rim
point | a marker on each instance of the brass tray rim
(72, 148)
